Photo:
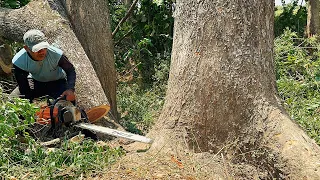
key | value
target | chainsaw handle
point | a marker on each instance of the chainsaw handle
(58, 99)
(52, 107)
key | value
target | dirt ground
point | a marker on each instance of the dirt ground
(140, 164)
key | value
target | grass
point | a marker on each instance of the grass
(21, 156)
(298, 79)
(72, 160)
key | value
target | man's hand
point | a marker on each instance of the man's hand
(69, 95)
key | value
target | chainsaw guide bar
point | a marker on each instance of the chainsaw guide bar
(114, 132)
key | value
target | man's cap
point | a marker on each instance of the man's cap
(35, 40)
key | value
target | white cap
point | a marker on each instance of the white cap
(35, 40)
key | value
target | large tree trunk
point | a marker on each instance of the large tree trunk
(39, 15)
(313, 21)
(91, 23)
(222, 90)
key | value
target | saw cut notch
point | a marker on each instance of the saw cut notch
(98, 112)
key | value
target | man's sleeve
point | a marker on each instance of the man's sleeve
(65, 64)
(22, 80)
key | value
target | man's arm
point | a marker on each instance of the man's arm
(22, 80)
(65, 64)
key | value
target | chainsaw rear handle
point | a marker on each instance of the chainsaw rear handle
(56, 100)
(52, 107)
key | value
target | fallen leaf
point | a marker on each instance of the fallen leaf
(177, 161)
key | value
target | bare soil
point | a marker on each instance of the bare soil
(139, 163)
(171, 162)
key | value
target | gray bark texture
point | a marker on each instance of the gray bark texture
(313, 20)
(49, 17)
(91, 23)
(222, 91)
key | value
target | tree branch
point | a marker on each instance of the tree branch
(124, 18)
(5, 68)
(128, 33)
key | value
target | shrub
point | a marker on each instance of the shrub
(298, 79)
(23, 156)
(292, 15)
(140, 107)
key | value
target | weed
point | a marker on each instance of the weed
(139, 107)
(298, 79)
(21, 155)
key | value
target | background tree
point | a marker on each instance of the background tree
(7, 50)
(292, 16)
(145, 36)
(222, 90)
(44, 15)
(143, 40)
(91, 23)
(313, 23)
(5, 58)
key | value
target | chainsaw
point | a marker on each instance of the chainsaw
(61, 111)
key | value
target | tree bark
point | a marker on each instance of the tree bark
(91, 23)
(5, 58)
(313, 20)
(222, 90)
(49, 17)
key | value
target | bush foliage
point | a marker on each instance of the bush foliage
(298, 79)
(144, 39)
(13, 4)
(293, 16)
(23, 156)
(140, 107)
(142, 55)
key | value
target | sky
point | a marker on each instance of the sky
(278, 2)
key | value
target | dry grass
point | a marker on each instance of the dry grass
(165, 164)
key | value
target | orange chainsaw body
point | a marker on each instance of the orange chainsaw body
(43, 115)
(93, 114)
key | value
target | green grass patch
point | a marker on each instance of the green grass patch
(298, 79)
(21, 156)
(138, 107)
